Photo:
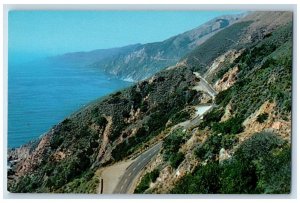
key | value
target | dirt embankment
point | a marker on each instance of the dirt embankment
(111, 176)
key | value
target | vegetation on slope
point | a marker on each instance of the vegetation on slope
(262, 164)
(172, 144)
(265, 74)
(146, 180)
(221, 42)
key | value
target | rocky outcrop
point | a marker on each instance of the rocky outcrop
(228, 112)
(30, 160)
(274, 123)
(220, 62)
(227, 80)
(223, 155)
(103, 155)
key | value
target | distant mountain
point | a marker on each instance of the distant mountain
(90, 57)
(137, 62)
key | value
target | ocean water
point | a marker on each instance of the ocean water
(41, 94)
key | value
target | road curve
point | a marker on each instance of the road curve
(135, 168)
(204, 85)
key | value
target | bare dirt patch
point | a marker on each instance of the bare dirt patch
(111, 176)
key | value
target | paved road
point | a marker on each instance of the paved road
(135, 168)
(203, 84)
(194, 122)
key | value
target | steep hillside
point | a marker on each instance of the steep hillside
(219, 121)
(243, 144)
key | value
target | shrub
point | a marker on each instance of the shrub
(56, 141)
(228, 141)
(146, 180)
(231, 126)
(205, 180)
(210, 148)
(238, 177)
(274, 172)
(101, 121)
(223, 97)
(180, 117)
(259, 145)
(176, 159)
(173, 142)
(262, 117)
(212, 117)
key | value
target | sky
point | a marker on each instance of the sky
(58, 32)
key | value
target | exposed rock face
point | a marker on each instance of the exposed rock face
(228, 112)
(134, 115)
(273, 123)
(223, 155)
(31, 160)
(59, 155)
(103, 155)
(221, 61)
(227, 80)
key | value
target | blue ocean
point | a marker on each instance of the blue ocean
(41, 94)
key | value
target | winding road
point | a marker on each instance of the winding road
(131, 173)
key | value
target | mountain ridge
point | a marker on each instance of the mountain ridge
(139, 61)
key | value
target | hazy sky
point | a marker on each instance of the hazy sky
(57, 32)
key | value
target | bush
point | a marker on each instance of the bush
(231, 126)
(173, 142)
(223, 97)
(56, 141)
(101, 121)
(238, 177)
(176, 159)
(180, 117)
(210, 148)
(212, 117)
(259, 145)
(262, 117)
(260, 165)
(274, 172)
(205, 180)
(146, 180)
(228, 141)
